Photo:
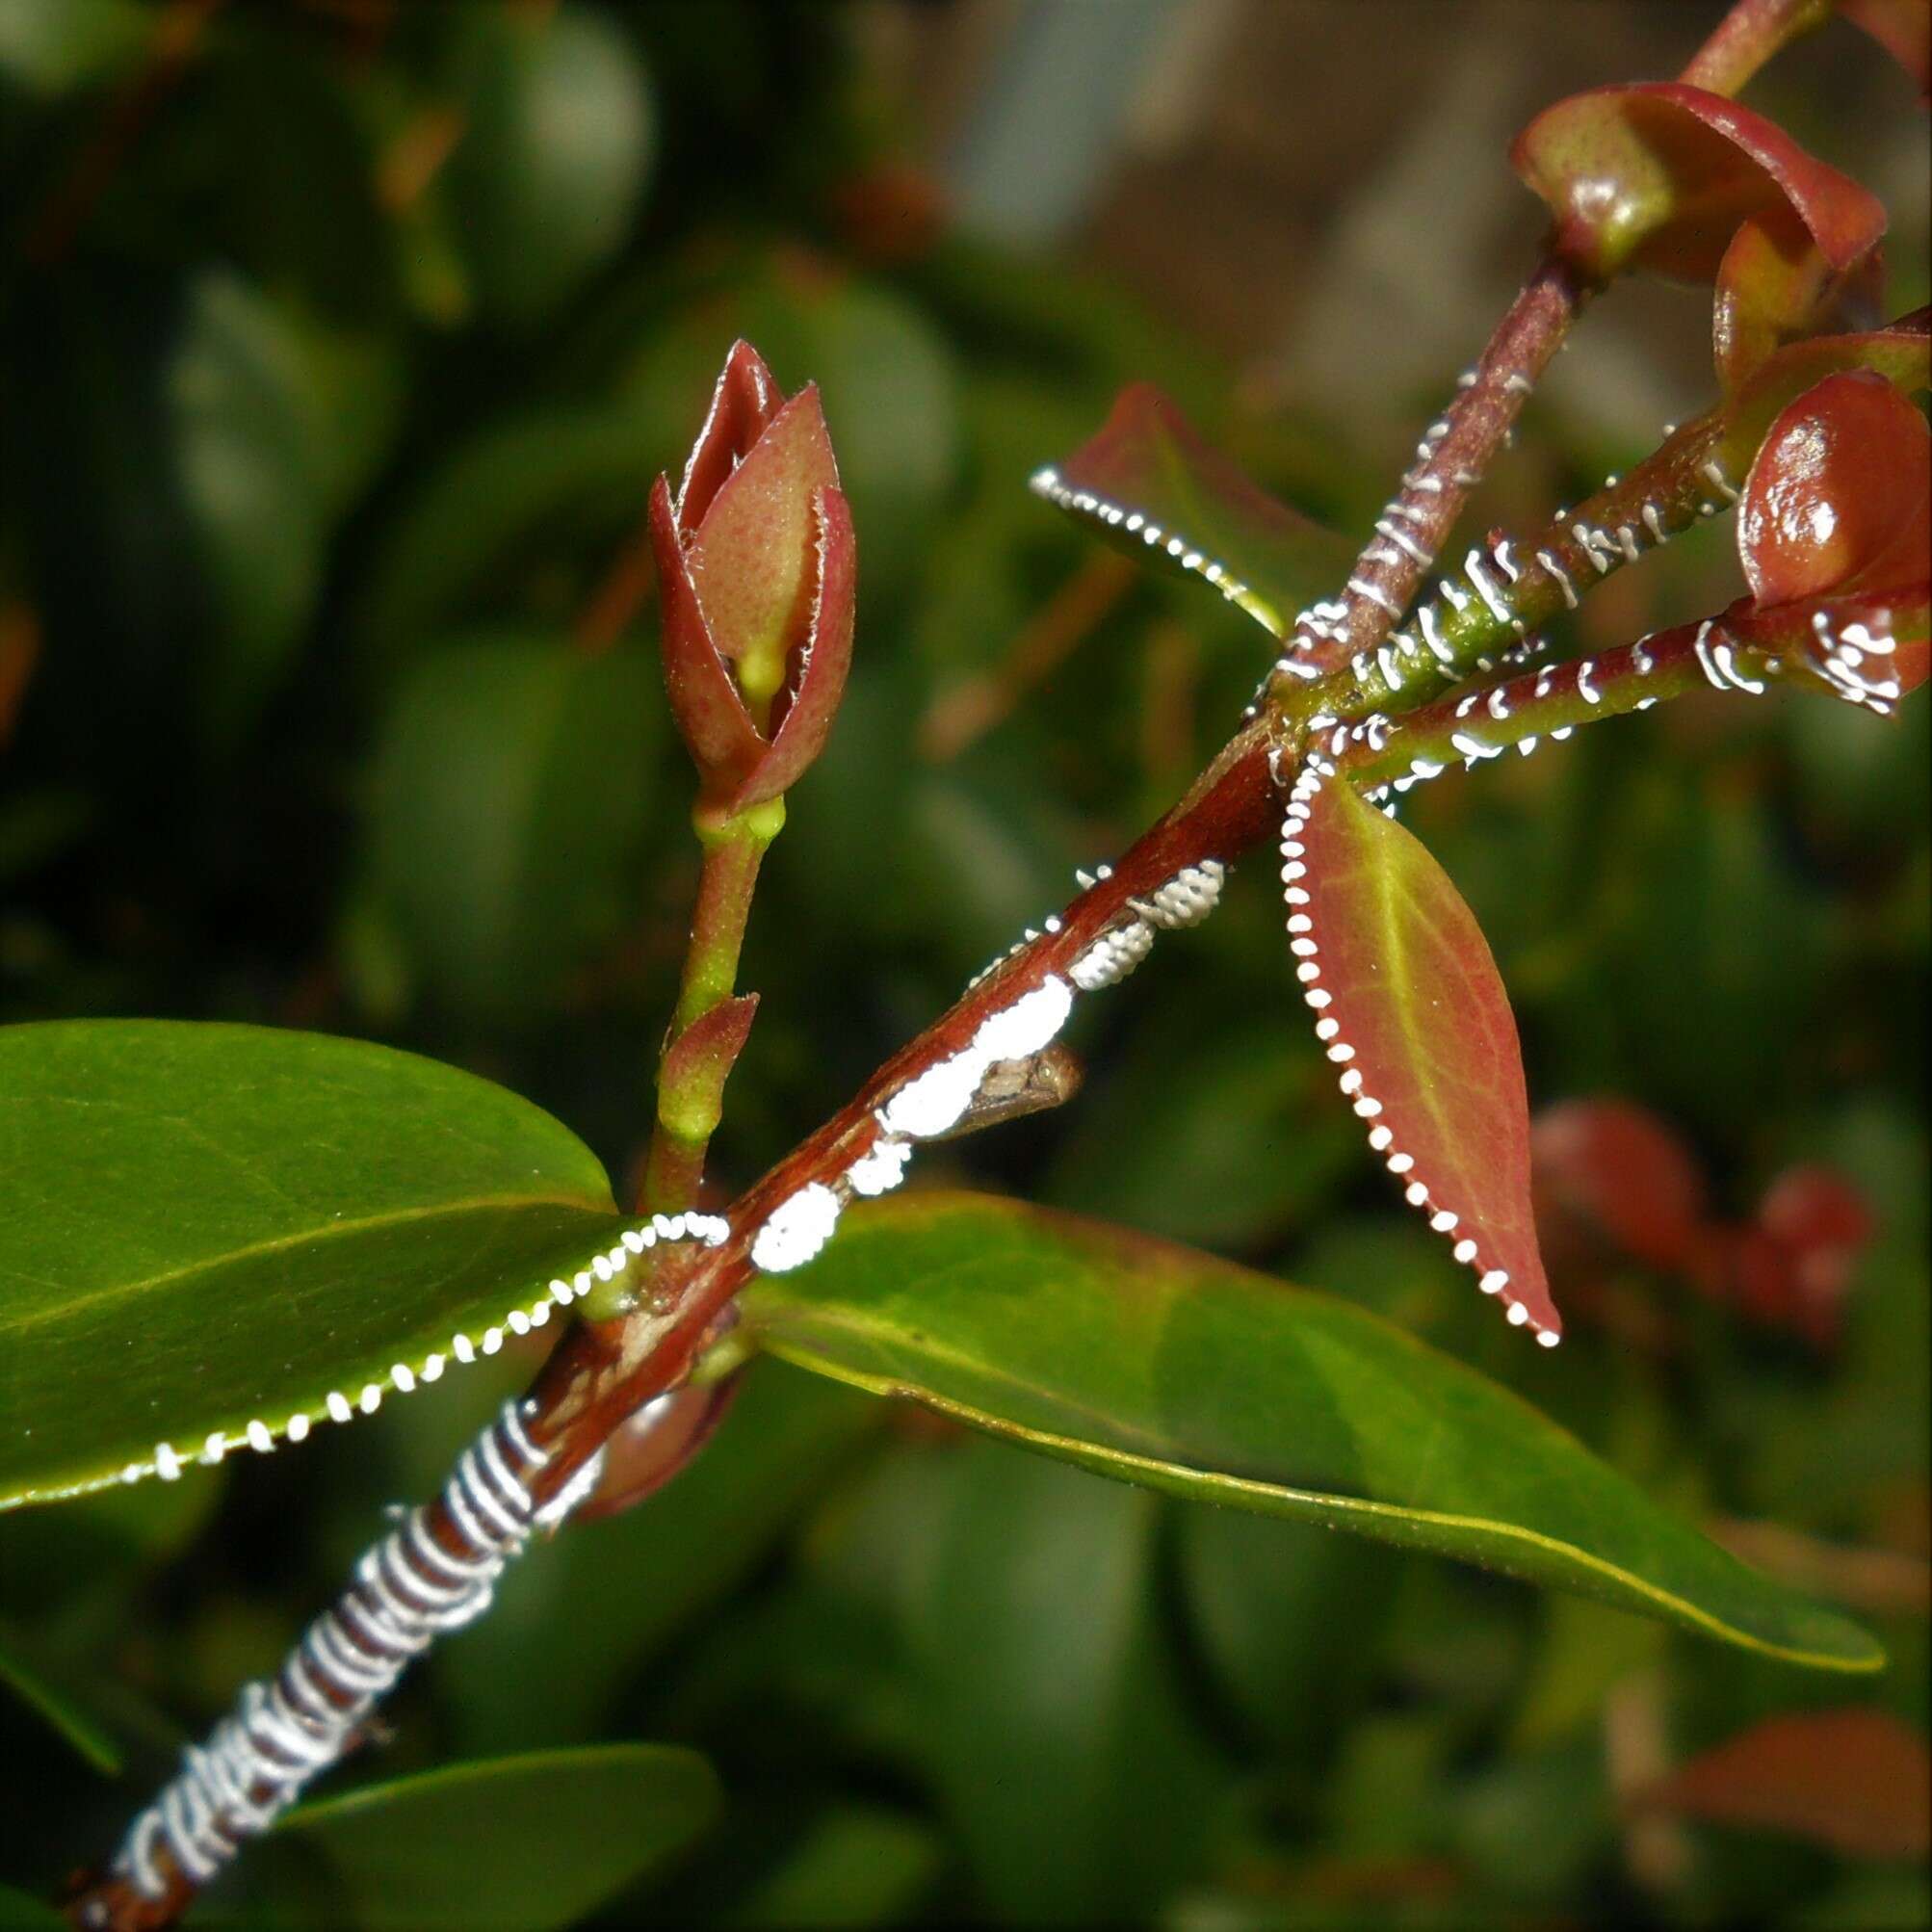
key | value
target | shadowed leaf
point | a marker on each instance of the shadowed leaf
(1150, 483)
(1164, 1367)
(58, 1705)
(533, 1841)
(1776, 284)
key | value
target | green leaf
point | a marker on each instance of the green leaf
(663, 1562)
(1149, 483)
(48, 47)
(547, 174)
(35, 1687)
(254, 479)
(496, 503)
(533, 1841)
(507, 815)
(1166, 1367)
(203, 1226)
(857, 1864)
(1057, 1737)
(21, 1912)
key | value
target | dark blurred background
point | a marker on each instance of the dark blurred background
(339, 343)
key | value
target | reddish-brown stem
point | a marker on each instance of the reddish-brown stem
(603, 1371)
(1450, 461)
(1747, 36)
(1460, 445)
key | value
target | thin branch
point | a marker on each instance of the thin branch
(1459, 446)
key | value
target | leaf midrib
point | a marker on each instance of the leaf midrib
(283, 1243)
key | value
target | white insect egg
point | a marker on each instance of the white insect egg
(1032, 1023)
(879, 1169)
(797, 1228)
(935, 1101)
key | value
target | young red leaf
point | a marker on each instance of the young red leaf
(1623, 1168)
(1857, 1780)
(1841, 493)
(655, 1444)
(1775, 285)
(1820, 1224)
(711, 715)
(1658, 175)
(1410, 1004)
(696, 1064)
(805, 710)
(1150, 483)
(751, 555)
(742, 403)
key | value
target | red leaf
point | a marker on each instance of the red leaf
(655, 1444)
(1821, 1225)
(1149, 481)
(711, 715)
(1774, 286)
(1409, 1001)
(1658, 176)
(698, 1062)
(805, 713)
(743, 401)
(1856, 1780)
(1839, 494)
(1620, 1165)
(751, 557)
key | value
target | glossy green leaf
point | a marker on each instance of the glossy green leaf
(203, 1226)
(507, 814)
(1151, 484)
(558, 138)
(533, 1841)
(1172, 1369)
(33, 1684)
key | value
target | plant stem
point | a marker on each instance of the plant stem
(691, 1085)
(1455, 453)
(1747, 36)
(604, 1369)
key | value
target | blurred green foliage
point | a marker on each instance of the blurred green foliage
(329, 405)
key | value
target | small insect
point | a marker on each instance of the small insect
(1012, 1090)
